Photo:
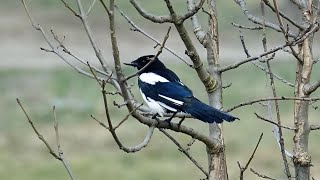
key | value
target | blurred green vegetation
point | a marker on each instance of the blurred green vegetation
(90, 149)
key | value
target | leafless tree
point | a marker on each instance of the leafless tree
(298, 37)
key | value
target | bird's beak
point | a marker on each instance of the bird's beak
(131, 64)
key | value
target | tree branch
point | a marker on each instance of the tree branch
(261, 175)
(58, 156)
(308, 89)
(271, 99)
(298, 40)
(283, 15)
(197, 29)
(60, 151)
(243, 169)
(138, 29)
(246, 27)
(113, 133)
(151, 17)
(192, 10)
(185, 152)
(83, 18)
(279, 125)
(314, 127)
(259, 21)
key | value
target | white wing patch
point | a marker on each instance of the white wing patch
(167, 107)
(156, 106)
(177, 102)
(152, 78)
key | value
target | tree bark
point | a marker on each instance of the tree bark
(302, 159)
(216, 157)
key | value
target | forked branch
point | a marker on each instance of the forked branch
(243, 169)
(60, 155)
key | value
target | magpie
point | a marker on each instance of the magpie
(164, 92)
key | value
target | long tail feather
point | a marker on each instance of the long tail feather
(206, 113)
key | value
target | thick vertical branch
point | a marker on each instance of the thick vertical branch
(302, 159)
(216, 159)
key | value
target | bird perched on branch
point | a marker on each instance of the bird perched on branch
(163, 91)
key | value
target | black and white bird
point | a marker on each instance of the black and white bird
(163, 91)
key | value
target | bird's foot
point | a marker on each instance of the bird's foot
(154, 116)
(169, 122)
(181, 120)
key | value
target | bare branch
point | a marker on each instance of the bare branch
(70, 8)
(90, 8)
(271, 99)
(273, 74)
(259, 21)
(185, 152)
(58, 156)
(275, 49)
(314, 127)
(261, 175)
(153, 59)
(89, 33)
(298, 3)
(113, 133)
(105, 7)
(60, 151)
(37, 132)
(243, 169)
(197, 29)
(151, 17)
(53, 49)
(283, 15)
(138, 29)
(308, 89)
(285, 32)
(279, 125)
(192, 10)
(275, 132)
(246, 27)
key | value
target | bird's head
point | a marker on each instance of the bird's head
(144, 60)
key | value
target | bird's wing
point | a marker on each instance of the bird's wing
(172, 94)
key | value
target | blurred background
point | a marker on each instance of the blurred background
(41, 80)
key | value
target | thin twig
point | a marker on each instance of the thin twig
(138, 29)
(58, 156)
(271, 99)
(197, 29)
(258, 20)
(60, 151)
(285, 32)
(246, 27)
(70, 8)
(283, 15)
(314, 127)
(113, 133)
(89, 33)
(90, 8)
(261, 175)
(279, 125)
(243, 169)
(185, 152)
(37, 132)
(273, 88)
